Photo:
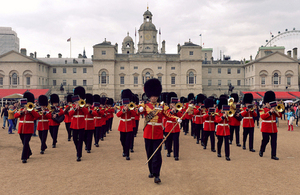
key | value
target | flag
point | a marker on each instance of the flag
(159, 31)
(69, 39)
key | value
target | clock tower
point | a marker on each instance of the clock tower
(147, 35)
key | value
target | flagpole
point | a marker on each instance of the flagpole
(159, 46)
(135, 41)
(200, 40)
(70, 47)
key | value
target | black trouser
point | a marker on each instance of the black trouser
(211, 134)
(173, 137)
(125, 138)
(26, 148)
(132, 140)
(154, 164)
(97, 134)
(135, 129)
(235, 129)
(199, 131)
(186, 126)
(43, 137)
(88, 137)
(297, 121)
(103, 131)
(110, 123)
(250, 131)
(78, 137)
(68, 130)
(53, 133)
(265, 141)
(220, 142)
(192, 128)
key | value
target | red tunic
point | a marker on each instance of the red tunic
(98, 120)
(233, 121)
(67, 116)
(154, 128)
(77, 121)
(126, 124)
(170, 124)
(209, 123)
(248, 118)
(51, 122)
(268, 123)
(222, 126)
(43, 122)
(26, 124)
(89, 120)
(198, 115)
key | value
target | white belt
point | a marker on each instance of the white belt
(97, 117)
(209, 121)
(77, 116)
(89, 119)
(248, 117)
(125, 119)
(268, 121)
(198, 115)
(25, 121)
(154, 124)
(223, 125)
(170, 122)
(43, 120)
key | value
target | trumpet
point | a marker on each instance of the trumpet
(178, 106)
(280, 108)
(29, 106)
(81, 103)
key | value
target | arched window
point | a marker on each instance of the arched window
(103, 77)
(191, 78)
(147, 76)
(14, 80)
(275, 79)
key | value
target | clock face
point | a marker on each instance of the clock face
(147, 36)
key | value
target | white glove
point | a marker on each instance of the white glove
(179, 120)
(141, 109)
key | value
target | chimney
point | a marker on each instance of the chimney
(59, 55)
(23, 51)
(35, 54)
(163, 48)
(295, 53)
(178, 48)
(48, 55)
(31, 55)
(250, 58)
(289, 53)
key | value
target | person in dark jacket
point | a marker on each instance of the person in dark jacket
(4, 114)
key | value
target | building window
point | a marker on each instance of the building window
(64, 82)
(122, 80)
(219, 71)
(159, 78)
(263, 80)
(84, 70)
(135, 67)
(74, 83)
(288, 80)
(173, 80)
(43, 68)
(228, 82)
(84, 83)
(229, 71)
(64, 70)
(147, 76)
(191, 53)
(209, 83)
(191, 78)
(122, 67)
(54, 70)
(135, 80)
(238, 82)
(219, 82)
(27, 80)
(159, 68)
(1, 80)
(103, 78)
(209, 71)
(173, 68)
(238, 71)
(103, 52)
(14, 79)
(275, 79)
(54, 82)
(66, 61)
(42, 81)
(39, 67)
(74, 70)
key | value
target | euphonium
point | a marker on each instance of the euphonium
(231, 112)
(29, 106)
(178, 106)
(81, 103)
(280, 108)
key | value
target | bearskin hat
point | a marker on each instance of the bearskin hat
(136, 99)
(80, 91)
(153, 87)
(164, 97)
(235, 96)
(208, 103)
(170, 96)
(222, 101)
(110, 101)
(103, 100)
(269, 97)
(214, 99)
(89, 99)
(200, 98)
(29, 96)
(54, 98)
(97, 98)
(126, 93)
(223, 96)
(248, 98)
(69, 98)
(43, 100)
(191, 96)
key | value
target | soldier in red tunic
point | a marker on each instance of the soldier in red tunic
(67, 119)
(222, 128)
(89, 122)
(43, 123)
(198, 117)
(153, 131)
(26, 126)
(209, 124)
(98, 120)
(235, 122)
(248, 122)
(135, 122)
(268, 124)
(190, 114)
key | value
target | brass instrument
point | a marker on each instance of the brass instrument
(29, 106)
(178, 106)
(231, 112)
(131, 106)
(81, 103)
(280, 108)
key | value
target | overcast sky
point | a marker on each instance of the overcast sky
(236, 27)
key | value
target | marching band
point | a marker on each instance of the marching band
(87, 116)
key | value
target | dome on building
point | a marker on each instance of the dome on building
(147, 13)
(127, 39)
(147, 26)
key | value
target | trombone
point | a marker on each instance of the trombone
(280, 108)
(81, 103)
(29, 106)
(178, 106)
